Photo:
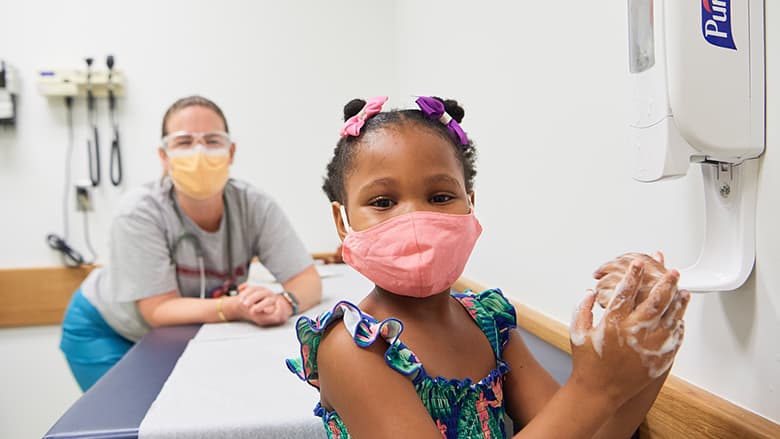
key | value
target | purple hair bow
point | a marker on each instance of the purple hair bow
(433, 109)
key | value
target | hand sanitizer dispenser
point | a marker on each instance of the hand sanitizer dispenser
(697, 69)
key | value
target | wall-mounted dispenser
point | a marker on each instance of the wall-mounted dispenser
(697, 68)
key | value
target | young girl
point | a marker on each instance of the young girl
(415, 360)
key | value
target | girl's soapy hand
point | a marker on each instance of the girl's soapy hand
(633, 343)
(611, 273)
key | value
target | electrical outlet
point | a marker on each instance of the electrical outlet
(83, 197)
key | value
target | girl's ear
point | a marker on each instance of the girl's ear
(471, 198)
(335, 208)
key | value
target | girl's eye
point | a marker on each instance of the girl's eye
(382, 203)
(441, 198)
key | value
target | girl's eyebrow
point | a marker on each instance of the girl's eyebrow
(442, 178)
(379, 182)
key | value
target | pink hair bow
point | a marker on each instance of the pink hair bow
(353, 125)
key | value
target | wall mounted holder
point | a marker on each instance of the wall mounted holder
(698, 76)
(74, 82)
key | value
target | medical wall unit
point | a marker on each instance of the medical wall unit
(92, 82)
(77, 82)
(698, 80)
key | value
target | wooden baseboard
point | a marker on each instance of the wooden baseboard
(328, 257)
(684, 410)
(681, 410)
(37, 296)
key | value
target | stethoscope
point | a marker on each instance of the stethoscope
(94, 162)
(115, 165)
(195, 242)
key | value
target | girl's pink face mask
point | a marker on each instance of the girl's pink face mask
(417, 254)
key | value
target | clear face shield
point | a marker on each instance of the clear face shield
(182, 143)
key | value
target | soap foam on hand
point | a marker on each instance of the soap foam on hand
(578, 336)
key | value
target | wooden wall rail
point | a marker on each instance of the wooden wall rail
(681, 410)
(38, 296)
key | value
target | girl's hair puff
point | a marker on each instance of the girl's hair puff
(341, 163)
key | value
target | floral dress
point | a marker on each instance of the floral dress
(460, 408)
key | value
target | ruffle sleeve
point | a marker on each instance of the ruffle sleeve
(365, 330)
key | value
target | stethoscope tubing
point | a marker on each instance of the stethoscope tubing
(93, 146)
(115, 163)
(187, 236)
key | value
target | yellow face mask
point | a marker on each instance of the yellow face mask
(200, 173)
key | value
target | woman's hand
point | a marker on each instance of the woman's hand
(634, 342)
(612, 272)
(261, 306)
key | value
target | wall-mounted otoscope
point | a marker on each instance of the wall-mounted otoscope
(93, 146)
(115, 165)
(92, 83)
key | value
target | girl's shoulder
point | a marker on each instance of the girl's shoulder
(492, 312)
(489, 305)
(362, 332)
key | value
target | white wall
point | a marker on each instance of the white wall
(36, 384)
(544, 85)
(281, 71)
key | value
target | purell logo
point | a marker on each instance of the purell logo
(716, 23)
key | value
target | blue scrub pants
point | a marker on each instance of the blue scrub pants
(89, 344)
